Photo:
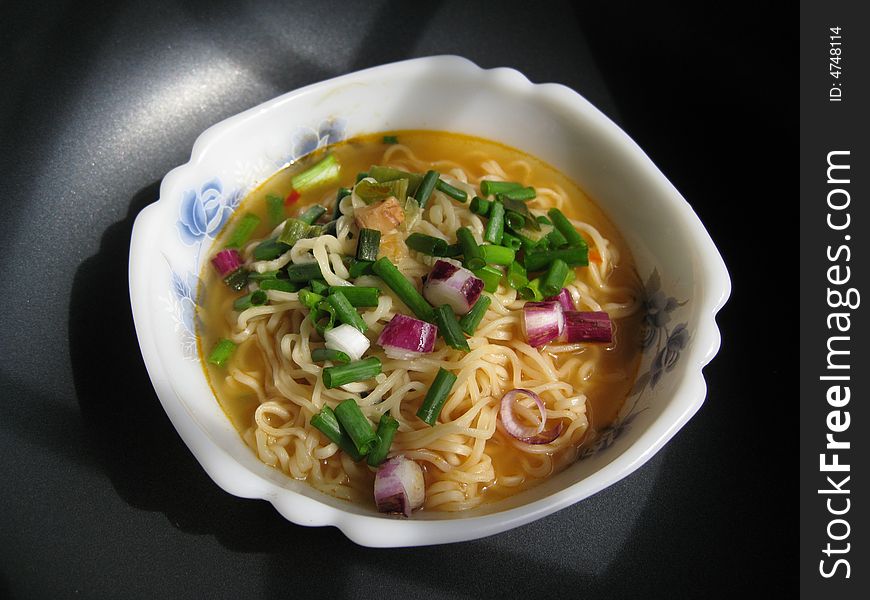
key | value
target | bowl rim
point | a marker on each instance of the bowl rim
(379, 531)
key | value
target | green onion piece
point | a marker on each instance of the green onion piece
(489, 188)
(453, 192)
(532, 291)
(566, 229)
(275, 209)
(569, 278)
(322, 311)
(336, 356)
(495, 225)
(361, 176)
(309, 299)
(556, 239)
(365, 297)
(543, 220)
(449, 328)
(387, 427)
(497, 255)
(243, 231)
(318, 286)
(270, 249)
(257, 298)
(238, 279)
(279, 285)
(517, 276)
(490, 276)
(551, 282)
(451, 251)
(254, 276)
(436, 396)
(312, 213)
(471, 320)
(370, 192)
(357, 268)
(221, 352)
(384, 174)
(304, 272)
(426, 187)
(327, 229)
(479, 206)
(515, 221)
(368, 244)
(403, 288)
(294, 230)
(359, 370)
(522, 193)
(326, 422)
(470, 249)
(357, 426)
(324, 172)
(511, 241)
(427, 244)
(345, 311)
(575, 256)
(516, 207)
(342, 192)
(391, 139)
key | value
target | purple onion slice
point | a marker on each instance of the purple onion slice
(399, 486)
(588, 326)
(542, 322)
(227, 261)
(564, 299)
(452, 285)
(406, 338)
(529, 435)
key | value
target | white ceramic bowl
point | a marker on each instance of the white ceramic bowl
(687, 282)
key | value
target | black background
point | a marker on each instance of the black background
(100, 498)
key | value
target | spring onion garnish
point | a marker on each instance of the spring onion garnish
(436, 396)
(525, 433)
(489, 188)
(471, 320)
(522, 193)
(312, 213)
(399, 486)
(554, 278)
(324, 172)
(511, 241)
(452, 285)
(279, 285)
(387, 427)
(368, 244)
(347, 339)
(391, 139)
(336, 356)
(309, 299)
(318, 286)
(294, 230)
(517, 276)
(357, 268)
(322, 311)
(449, 328)
(515, 207)
(452, 250)
(270, 249)
(238, 279)
(275, 209)
(407, 338)
(370, 191)
(257, 298)
(490, 276)
(345, 311)
(359, 370)
(426, 244)
(480, 206)
(543, 220)
(562, 223)
(453, 192)
(226, 261)
(342, 192)
(426, 187)
(470, 249)
(556, 239)
(221, 352)
(357, 426)
(515, 221)
(542, 322)
(575, 256)
(365, 297)
(403, 288)
(383, 174)
(304, 272)
(497, 255)
(243, 231)
(326, 422)
(588, 326)
(564, 299)
(532, 291)
(495, 225)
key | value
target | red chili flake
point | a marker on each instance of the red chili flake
(292, 197)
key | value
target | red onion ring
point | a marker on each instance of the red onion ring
(511, 425)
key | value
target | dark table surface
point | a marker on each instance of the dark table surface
(100, 498)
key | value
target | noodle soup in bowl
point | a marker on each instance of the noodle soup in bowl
(279, 383)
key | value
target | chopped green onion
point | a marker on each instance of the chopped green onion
(522, 193)
(471, 320)
(511, 241)
(452, 250)
(566, 229)
(543, 220)
(515, 221)
(453, 192)
(490, 276)
(519, 208)
(370, 192)
(391, 139)
(360, 370)
(489, 188)
(326, 422)
(322, 311)
(357, 268)
(497, 255)
(304, 272)
(309, 299)
(312, 213)
(342, 192)
(368, 244)
(221, 352)
(436, 396)
(324, 172)
(575, 256)
(387, 427)
(345, 311)
(403, 288)
(294, 230)
(449, 328)
(552, 281)
(238, 279)
(279, 285)
(357, 426)
(470, 249)
(479, 206)
(323, 354)
(270, 249)
(517, 276)
(257, 298)
(532, 291)
(358, 296)
(275, 209)
(556, 239)
(426, 244)
(243, 231)
(361, 176)
(426, 187)
(495, 225)
(384, 174)
(318, 286)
